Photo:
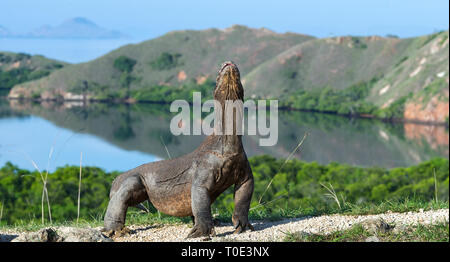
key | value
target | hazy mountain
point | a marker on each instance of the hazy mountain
(4, 32)
(77, 27)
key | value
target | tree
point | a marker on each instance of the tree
(124, 64)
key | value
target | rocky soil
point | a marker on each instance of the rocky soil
(264, 230)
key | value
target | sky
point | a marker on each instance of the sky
(145, 19)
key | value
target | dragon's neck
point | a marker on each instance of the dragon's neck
(228, 133)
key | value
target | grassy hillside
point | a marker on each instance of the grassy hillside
(422, 64)
(386, 77)
(331, 62)
(370, 75)
(177, 58)
(16, 68)
(344, 61)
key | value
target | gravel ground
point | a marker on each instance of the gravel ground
(276, 231)
(269, 230)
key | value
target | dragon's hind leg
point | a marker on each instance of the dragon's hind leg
(131, 192)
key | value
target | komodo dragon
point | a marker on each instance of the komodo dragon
(188, 185)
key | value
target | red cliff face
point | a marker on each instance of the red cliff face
(435, 111)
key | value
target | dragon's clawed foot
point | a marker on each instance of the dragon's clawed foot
(115, 233)
(242, 225)
(201, 230)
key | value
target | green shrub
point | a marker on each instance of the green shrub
(295, 187)
(124, 64)
(15, 76)
(348, 101)
(394, 110)
(166, 61)
(171, 93)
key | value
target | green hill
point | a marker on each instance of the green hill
(177, 58)
(385, 77)
(16, 68)
(334, 74)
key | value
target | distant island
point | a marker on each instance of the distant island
(77, 27)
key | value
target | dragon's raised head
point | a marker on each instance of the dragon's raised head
(228, 83)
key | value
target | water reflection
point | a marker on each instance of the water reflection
(145, 128)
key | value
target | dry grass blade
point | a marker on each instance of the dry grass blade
(1, 213)
(44, 188)
(45, 193)
(79, 189)
(435, 186)
(332, 194)
(266, 203)
(287, 159)
(67, 141)
(164, 144)
(43, 177)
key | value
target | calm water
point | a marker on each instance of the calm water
(67, 50)
(121, 137)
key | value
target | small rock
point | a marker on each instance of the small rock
(372, 239)
(374, 225)
(400, 228)
(63, 234)
(43, 235)
(73, 234)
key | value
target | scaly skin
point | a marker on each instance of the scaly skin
(188, 185)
